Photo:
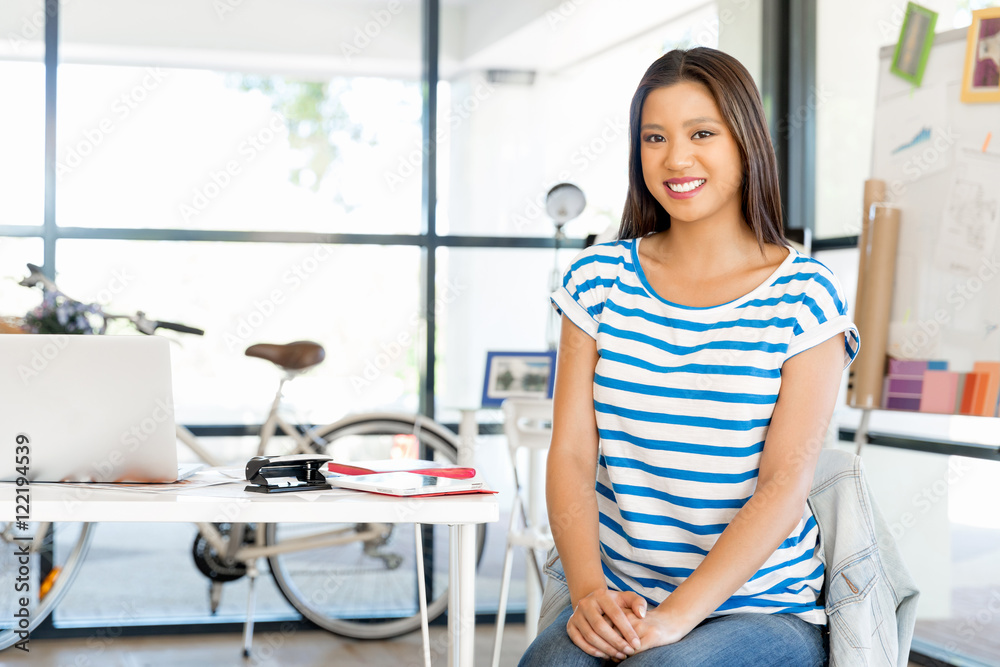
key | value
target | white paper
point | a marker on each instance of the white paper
(967, 237)
(912, 136)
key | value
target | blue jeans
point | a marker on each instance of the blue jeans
(737, 640)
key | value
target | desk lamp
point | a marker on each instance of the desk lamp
(563, 203)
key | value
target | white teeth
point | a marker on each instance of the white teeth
(685, 187)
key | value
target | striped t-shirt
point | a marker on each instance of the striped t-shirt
(683, 398)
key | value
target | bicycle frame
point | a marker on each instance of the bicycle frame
(270, 426)
(231, 544)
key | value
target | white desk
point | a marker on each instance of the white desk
(230, 503)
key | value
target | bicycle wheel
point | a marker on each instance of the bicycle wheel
(367, 588)
(55, 552)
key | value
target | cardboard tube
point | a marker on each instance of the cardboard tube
(874, 192)
(877, 304)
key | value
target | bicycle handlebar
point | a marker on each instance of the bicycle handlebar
(142, 323)
(183, 328)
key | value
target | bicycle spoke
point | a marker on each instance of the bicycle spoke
(368, 588)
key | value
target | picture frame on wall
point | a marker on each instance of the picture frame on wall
(916, 38)
(981, 78)
(518, 375)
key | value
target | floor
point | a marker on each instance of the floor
(305, 649)
(974, 626)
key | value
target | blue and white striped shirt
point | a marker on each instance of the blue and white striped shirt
(683, 398)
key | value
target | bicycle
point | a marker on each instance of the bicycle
(376, 596)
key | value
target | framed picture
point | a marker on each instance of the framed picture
(914, 45)
(518, 375)
(981, 79)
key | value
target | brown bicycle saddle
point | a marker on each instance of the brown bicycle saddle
(297, 356)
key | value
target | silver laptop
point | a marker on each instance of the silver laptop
(88, 408)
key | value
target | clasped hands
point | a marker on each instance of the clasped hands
(614, 625)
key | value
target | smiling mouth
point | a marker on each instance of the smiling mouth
(686, 187)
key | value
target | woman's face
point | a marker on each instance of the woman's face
(690, 159)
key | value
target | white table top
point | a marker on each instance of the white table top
(230, 503)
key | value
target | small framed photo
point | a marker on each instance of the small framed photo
(518, 375)
(981, 78)
(915, 41)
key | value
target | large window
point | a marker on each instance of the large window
(22, 116)
(165, 147)
(549, 104)
(257, 170)
(844, 99)
(358, 301)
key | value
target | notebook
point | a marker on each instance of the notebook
(86, 408)
(406, 477)
(408, 484)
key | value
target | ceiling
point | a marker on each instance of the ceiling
(342, 36)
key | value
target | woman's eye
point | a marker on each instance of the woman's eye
(702, 134)
(654, 138)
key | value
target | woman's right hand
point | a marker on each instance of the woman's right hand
(599, 626)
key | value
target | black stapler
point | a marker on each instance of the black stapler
(277, 474)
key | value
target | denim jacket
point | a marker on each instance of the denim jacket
(870, 597)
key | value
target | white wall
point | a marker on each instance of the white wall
(849, 35)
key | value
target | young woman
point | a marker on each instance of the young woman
(699, 362)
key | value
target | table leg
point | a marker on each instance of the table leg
(422, 593)
(251, 603)
(468, 431)
(462, 595)
(536, 518)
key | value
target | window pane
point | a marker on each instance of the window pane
(360, 303)
(22, 116)
(155, 558)
(845, 99)
(970, 615)
(946, 501)
(553, 107)
(15, 301)
(271, 123)
(488, 300)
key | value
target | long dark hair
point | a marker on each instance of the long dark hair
(739, 101)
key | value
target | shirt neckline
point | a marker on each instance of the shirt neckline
(641, 273)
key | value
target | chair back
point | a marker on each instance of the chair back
(527, 423)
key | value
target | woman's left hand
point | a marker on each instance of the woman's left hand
(659, 627)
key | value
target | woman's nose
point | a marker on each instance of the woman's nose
(678, 156)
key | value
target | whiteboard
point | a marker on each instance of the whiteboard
(928, 148)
